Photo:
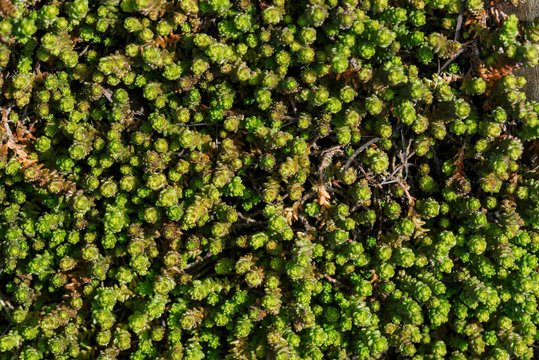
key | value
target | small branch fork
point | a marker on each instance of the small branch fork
(396, 176)
(399, 173)
(404, 157)
(359, 151)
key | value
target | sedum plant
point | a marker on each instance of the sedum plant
(316, 179)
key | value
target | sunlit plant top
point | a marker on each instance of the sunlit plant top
(218, 179)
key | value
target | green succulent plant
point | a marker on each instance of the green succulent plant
(216, 179)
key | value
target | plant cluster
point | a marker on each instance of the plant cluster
(313, 179)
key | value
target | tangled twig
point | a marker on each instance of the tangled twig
(359, 151)
(42, 175)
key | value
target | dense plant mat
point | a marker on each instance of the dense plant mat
(322, 179)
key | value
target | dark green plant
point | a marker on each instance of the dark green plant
(216, 179)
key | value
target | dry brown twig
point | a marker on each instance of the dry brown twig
(333, 280)
(320, 187)
(359, 151)
(411, 199)
(12, 141)
(497, 71)
(16, 142)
